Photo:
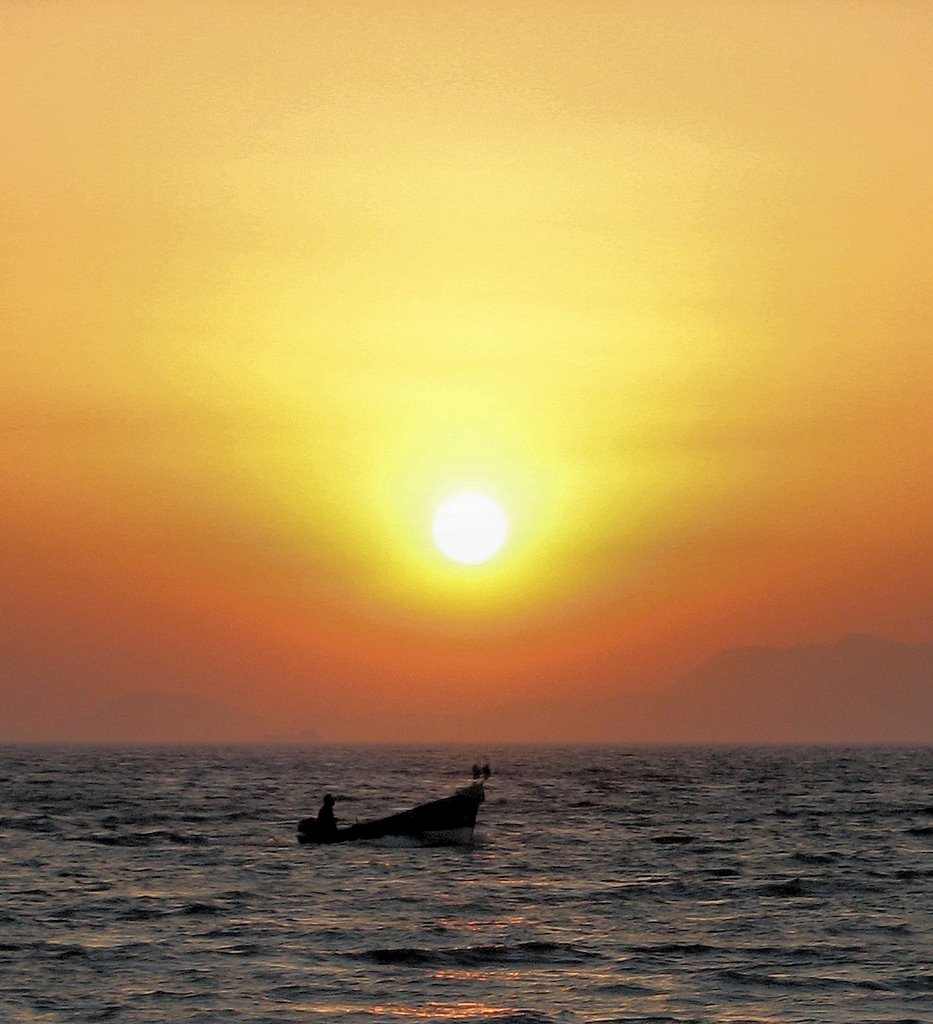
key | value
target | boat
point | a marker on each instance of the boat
(449, 820)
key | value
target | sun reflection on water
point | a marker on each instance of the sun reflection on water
(441, 1011)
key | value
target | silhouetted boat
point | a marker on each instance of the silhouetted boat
(449, 820)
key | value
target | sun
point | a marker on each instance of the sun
(470, 528)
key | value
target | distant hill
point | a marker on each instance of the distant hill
(154, 717)
(859, 690)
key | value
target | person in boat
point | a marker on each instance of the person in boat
(326, 822)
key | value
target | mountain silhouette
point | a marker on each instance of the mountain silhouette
(859, 690)
(156, 717)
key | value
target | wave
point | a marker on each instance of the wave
(678, 948)
(413, 843)
(626, 988)
(504, 1017)
(40, 823)
(199, 910)
(157, 837)
(395, 843)
(650, 1019)
(63, 950)
(793, 887)
(909, 874)
(140, 913)
(765, 980)
(107, 1013)
(917, 983)
(471, 1014)
(805, 857)
(493, 1017)
(537, 953)
(148, 909)
(240, 949)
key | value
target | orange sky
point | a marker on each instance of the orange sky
(279, 277)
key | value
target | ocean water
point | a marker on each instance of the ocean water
(604, 884)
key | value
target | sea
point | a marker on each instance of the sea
(165, 884)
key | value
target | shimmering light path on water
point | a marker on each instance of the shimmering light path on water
(605, 885)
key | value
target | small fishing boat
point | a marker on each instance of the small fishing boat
(447, 821)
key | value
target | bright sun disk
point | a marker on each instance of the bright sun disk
(470, 528)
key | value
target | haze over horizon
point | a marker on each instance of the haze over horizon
(652, 278)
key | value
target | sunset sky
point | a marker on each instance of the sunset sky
(279, 278)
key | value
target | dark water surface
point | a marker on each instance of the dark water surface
(605, 884)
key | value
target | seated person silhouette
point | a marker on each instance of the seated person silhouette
(326, 822)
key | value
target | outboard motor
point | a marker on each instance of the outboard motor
(308, 831)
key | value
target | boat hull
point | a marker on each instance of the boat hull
(449, 820)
